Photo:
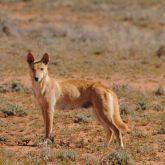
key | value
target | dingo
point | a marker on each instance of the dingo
(51, 93)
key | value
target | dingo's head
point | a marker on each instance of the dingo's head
(38, 69)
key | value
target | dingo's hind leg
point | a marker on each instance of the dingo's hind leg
(109, 137)
(109, 133)
(118, 135)
(104, 111)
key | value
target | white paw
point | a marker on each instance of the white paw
(45, 142)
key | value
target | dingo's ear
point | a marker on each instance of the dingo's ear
(45, 59)
(30, 58)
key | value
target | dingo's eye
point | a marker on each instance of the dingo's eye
(42, 68)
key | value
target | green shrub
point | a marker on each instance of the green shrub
(67, 155)
(7, 157)
(160, 91)
(117, 158)
(82, 143)
(125, 109)
(142, 105)
(3, 138)
(33, 160)
(138, 134)
(14, 110)
(145, 149)
(157, 107)
(13, 86)
(122, 90)
(42, 157)
(90, 159)
(82, 118)
(160, 130)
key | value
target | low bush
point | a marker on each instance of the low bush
(142, 105)
(160, 91)
(67, 155)
(125, 109)
(82, 118)
(14, 110)
(117, 158)
(13, 86)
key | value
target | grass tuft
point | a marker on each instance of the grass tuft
(67, 155)
(14, 86)
(14, 110)
(3, 138)
(142, 105)
(138, 134)
(160, 91)
(157, 107)
(125, 109)
(118, 158)
(82, 118)
(160, 130)
(7, 157)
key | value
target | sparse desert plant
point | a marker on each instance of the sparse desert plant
(34, 159)
(157, 107)
(13, 86)
(67, 155)
(3, 89)
(3, 139)
(16, 86)
(90, 159)
(7, 157)
(14, 110)
(82, 143)
(82, 118)
(7, 25)
(117, 158)
(122, 90)
(42, 157)
(138, 134)
(141, 22)
(145, 149)
(125, 109)
(161, 51)
(160, 130)
(160, 91)
(127, 92)
(142, 105)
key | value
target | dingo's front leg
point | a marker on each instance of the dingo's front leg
(43, 115)
(49, 112)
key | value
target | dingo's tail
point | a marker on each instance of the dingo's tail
(117, 118)
(119, 123)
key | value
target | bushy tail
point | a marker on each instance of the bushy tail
(117, 118)
(119, 123)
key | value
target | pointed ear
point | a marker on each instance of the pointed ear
(45, 59)
(30, 58)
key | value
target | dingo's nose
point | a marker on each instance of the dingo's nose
(36, 78)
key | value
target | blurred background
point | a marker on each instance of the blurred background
(103, 38)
